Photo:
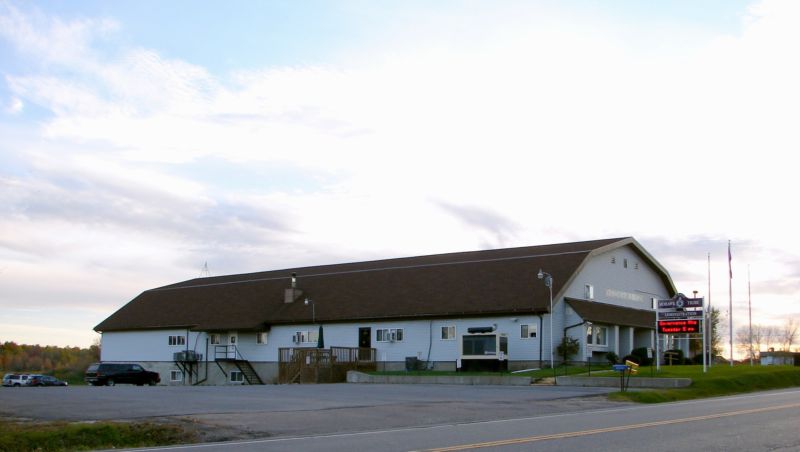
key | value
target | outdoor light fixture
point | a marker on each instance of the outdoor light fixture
(313, 316)
(548, 281)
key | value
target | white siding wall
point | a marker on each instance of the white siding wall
(418, 337)
(151, 345)
(615, 284)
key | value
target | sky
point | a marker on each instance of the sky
(141, 141)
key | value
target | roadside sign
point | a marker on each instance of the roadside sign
(678, 326)
(680, 302)
(680, 315)
(620, 367)
(634, 368)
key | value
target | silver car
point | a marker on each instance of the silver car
(16, 380)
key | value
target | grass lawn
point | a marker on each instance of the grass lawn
(63, 436)
(535, 374)
(718, 381)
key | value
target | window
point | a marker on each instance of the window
(527, 331)
(448, 333)
(214, 339)
(601, 335)
(237, 376)
(261, 338)
(597, 335)
(624, 263)
(479, 345)
(303, 337)
(177, 340)
(589, 292)
(389, 335)
(175, 375)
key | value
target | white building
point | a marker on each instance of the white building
(444, 310)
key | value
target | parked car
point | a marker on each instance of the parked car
(108, 374)
(45, 380)
(15, 380)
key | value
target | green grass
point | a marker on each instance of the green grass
(61, 436)
(535, 374)
(718, 381)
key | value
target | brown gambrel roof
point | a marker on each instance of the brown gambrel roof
(612, 314)
(472, 283)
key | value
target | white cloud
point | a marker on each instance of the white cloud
(532, 133)
(15, 107)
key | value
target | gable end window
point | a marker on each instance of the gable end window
(177, 340)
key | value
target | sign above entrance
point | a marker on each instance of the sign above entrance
(680, 301)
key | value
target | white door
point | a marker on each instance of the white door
(233, 339)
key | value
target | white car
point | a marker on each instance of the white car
(16, 380)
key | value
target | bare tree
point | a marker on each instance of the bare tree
(743, 342)
(788, 334)
(769, 335)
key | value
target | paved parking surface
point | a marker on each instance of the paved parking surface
(227, 412)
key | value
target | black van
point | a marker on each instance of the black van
(106, 374)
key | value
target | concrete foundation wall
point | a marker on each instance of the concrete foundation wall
(359, 377)
(614, 382)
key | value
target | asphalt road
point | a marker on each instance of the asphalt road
(82, 403)
(754, 422)
(235, 412)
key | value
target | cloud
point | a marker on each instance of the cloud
(501, 229)
(532, 132)
(15, 107)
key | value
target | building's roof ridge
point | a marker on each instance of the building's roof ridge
(364, 270)
(269, 275)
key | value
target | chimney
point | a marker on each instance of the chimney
(292, 294)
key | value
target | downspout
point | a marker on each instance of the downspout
(539, 336)
(186, 355)
(430, 345)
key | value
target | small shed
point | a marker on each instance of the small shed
(780, 358)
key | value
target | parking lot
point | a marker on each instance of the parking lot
(226, 412)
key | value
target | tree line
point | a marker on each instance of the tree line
(768, 338)
(63, 362)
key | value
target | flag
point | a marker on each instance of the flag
(730, 269)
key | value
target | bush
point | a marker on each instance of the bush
(641, 355)
(612, 358)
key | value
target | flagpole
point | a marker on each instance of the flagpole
(750, 314)
(710, 350)
(730, 301)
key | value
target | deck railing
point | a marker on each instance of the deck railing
(320, 365)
